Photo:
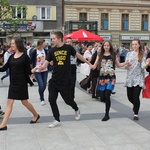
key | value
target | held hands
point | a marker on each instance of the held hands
(92, 66)
(127, 64)
(34, 69)
(148, 60)
(40, 68)
(147, 63)
(51, 63)
(37, 68)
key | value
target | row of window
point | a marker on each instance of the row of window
(124, 21)
(43, 13)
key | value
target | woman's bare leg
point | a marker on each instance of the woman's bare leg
(30, 107)
(8, 111)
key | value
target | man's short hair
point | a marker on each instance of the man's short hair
(69, 38)
(59, 35)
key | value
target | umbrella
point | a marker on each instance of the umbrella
(83, 35)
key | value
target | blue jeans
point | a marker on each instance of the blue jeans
(42, 81)
(6, 75)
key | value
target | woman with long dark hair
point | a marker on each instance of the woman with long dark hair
(19, 66)
(105, 62)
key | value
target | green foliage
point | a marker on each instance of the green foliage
(12, 17)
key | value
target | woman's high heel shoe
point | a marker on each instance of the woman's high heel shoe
(32, 122)
(3, 128)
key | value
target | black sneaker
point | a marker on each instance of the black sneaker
(102, 101)
(1, 114)
(106, 117)
(95, 97)
(113, 92)
(34, 80)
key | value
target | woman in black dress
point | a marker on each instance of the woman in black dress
(19, 65)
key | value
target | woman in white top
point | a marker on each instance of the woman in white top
(135, 75)
(38, 57)
(88, 53)
(85, 69)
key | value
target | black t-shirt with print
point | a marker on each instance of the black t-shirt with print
(61, 59)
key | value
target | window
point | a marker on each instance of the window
(82, 16)
(92, 26)
(125, 21)
(18, 12)
(104, 21)
(76, 25)
(43, 13)
(144, 22)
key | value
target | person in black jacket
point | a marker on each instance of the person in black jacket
(19, 66)
(94, 73)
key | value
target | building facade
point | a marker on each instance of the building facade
(118, 20)
(44, 17)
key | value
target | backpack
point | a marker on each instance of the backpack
(30, 51)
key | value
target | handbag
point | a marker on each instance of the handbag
(85, 69)
(85, 83)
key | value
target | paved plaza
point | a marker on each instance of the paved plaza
(121, 132)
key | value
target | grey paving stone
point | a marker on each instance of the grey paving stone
(89, 133)
(126, 147)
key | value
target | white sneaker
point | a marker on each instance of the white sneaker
(42, 103)
(77, 114)
(54, 124)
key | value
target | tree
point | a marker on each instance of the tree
(13, 18)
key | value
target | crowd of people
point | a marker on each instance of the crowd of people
(25, 62)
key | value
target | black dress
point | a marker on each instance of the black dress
(19, 76)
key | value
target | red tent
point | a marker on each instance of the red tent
(83, 35)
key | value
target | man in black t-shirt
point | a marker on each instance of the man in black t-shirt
(60, 81)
